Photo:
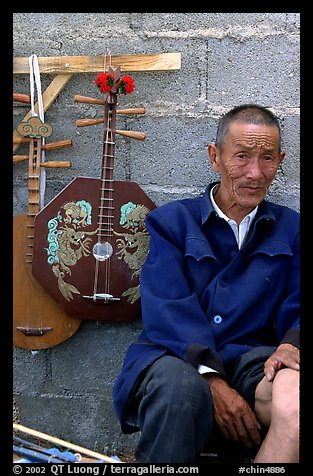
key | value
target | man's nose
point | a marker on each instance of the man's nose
(254, 170)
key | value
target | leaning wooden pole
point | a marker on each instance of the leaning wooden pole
(66, 444)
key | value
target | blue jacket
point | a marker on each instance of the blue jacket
(204, 300)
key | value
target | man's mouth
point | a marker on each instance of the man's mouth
(252, 189)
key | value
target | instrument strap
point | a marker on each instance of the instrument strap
(34, 78)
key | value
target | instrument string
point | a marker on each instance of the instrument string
(95, 283)
(109, 186)
(105, 205)
(100, 218)
(104, 183)
(106, 209)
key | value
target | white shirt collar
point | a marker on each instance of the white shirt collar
(240, 231)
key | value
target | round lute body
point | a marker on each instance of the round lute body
(84, 285)
(91, 239)
(38, 321)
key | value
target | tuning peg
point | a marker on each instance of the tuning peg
(19, 158)
(99, 120)
(56, 164)
(48, 146)
(20, 139)
(132, 134)
(88, 100)
(89, 122)
(48, 164)
(21, 98)
(61, 144)
(132, 110)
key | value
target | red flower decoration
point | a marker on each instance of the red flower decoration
(105, 82)
(127, 85)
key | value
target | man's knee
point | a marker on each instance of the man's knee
(285, 397)
(278, 401)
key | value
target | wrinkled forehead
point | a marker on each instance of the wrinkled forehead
(263, 136)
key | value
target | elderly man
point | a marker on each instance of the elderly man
(219, 352)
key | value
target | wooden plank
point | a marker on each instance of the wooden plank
(48, 96)
(95, 64)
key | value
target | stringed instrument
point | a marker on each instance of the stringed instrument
(38, 321)
(91, 239)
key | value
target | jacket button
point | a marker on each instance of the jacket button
(217, 319)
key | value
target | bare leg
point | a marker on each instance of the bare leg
(277, 406)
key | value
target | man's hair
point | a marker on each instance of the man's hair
(249, 114)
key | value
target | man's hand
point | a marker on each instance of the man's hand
(233, 415)
(286, 355)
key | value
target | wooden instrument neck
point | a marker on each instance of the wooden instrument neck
(35, 147)
(106, 206)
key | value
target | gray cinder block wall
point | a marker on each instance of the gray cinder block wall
(226, 59)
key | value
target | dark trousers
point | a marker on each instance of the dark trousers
(174, 410)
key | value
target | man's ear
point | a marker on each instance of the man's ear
(214, 157)
(282, 155)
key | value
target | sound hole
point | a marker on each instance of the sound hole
(102, 251)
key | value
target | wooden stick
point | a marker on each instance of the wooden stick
(57, 441)
(21, 98)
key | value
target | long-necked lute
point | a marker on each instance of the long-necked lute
(38, 321)
(91, 239)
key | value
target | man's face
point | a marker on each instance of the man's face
(248, 162)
